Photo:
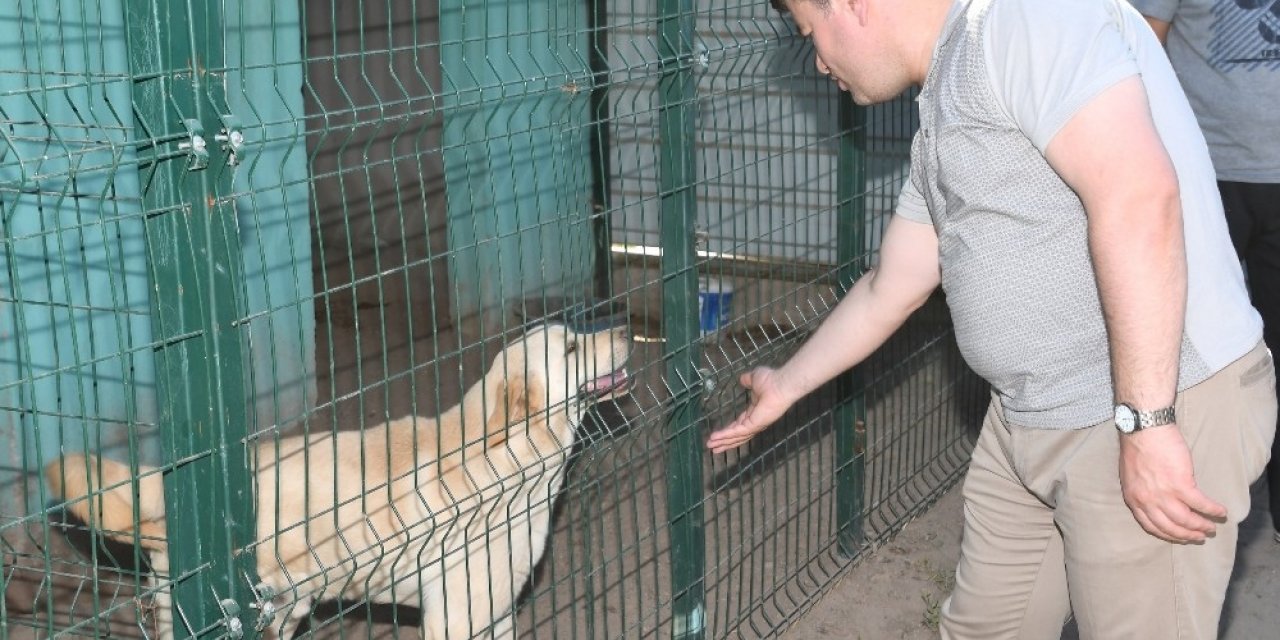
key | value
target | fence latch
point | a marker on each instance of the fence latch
(195, 146)
(231, 137)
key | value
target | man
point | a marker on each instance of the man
(1227, 55)
(1061, 195)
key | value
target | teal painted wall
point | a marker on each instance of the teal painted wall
(76, 367)
(263, 44)
(517, 164)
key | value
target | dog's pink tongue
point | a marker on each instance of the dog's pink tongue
(609, 381)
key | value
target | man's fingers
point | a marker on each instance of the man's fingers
(1184, 516)
(1196, 500)
(760, 413)
(1147, 525)
(721, 446)
(726, 435)
(1175, 519)
(1173, 531)
(737, 432)
(1155, 523)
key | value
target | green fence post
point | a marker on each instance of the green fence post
(601, 167)
(601, 229)
(678, 207)
(194, 260)
(850, 415)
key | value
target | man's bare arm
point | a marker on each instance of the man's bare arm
(877, 306)
(879, 303)
(1111, 154)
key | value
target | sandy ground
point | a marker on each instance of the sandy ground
(895, 592)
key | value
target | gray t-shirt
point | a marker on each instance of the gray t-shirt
(1227, 55)
(1006, 76)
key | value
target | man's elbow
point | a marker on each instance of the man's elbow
(1149, 211)
(1151, 194)
(1159, 199)
(1165, 197)
(903, 292)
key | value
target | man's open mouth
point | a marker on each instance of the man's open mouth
(610, 385)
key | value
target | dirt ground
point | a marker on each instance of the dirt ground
(895, 593)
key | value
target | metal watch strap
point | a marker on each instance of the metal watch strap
(1157, 418)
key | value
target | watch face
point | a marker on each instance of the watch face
(1125, 419)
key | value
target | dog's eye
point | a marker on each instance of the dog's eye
(570, 346)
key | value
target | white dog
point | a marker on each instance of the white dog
(450, 515)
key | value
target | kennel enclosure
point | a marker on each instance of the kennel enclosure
(227, 221)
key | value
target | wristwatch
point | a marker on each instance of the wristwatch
(1129, 420)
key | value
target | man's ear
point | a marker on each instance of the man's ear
(518, 398)
(859, 9)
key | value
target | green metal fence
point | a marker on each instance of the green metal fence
(226, 224)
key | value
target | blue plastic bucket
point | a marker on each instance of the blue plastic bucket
(715, 299)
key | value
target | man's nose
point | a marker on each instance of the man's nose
(822, 66)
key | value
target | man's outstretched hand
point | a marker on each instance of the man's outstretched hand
(769, 401)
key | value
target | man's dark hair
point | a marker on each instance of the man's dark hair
(781, 5)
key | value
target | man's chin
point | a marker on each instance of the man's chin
(864, 100)
(859, 98)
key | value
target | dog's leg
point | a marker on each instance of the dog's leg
(163, 598)
(504, 628)
(434, 615)
(289, 627)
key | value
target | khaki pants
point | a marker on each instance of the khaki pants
(1047, 532)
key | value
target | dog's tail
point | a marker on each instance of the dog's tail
(102, 494)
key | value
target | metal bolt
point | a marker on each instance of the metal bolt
(264, 591)
(708, 383)
(197, 144)
(231, 609)
(266, 608)
(266, 613)
(702, 56)
(233, 138)
(700, 237)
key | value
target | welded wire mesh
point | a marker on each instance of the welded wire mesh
(75, 363)
(230, 226)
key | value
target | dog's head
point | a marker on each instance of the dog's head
(555, 370)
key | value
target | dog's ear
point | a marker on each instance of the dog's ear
(518, 398)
